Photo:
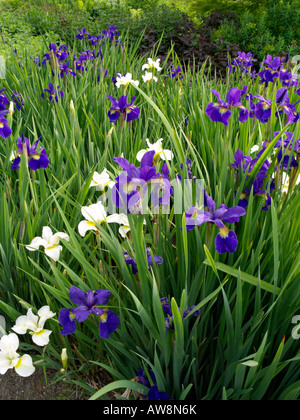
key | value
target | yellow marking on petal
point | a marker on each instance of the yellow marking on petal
(36, 156)
(224, 232)
(72, 316)
(103, 318)
(128, 187)
(51, 247)
(129, 108)
(1, 125)
(40, 333)
(223, 110)
(19, 363)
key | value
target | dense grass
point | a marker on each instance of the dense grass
(241, 346)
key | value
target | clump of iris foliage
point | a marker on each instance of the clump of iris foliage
(193, 305)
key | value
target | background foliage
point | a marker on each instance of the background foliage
(197, 29)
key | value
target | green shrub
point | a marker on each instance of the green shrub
(256, 35)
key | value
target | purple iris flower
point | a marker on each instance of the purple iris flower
(36, 159)
(287, 78)
(5, 130)
(220, 111)
(53, 93)
(88, 304)
(262, 109)
(111, 33)
(81, 33)
(247, 164)
(226, 240)
(286, 146)
(151, 261)
(65, 69)
(271, 69)
(175, 72)
(121, 107)
(143, 380)
(17, 100)
(94, 39)
(167, 309)
(60, 53)
(132, 184)
(4, 102)
(243, 62)
(189, 164)
(153, 394)
(284, 105)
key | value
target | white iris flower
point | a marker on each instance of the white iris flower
(152, 65)
(94, 215)
(125, 80)
(101, 181)
(165, 154)
(50, 242)
(35, 325)
(10, 359)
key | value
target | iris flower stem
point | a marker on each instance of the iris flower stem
(44, 368)
(98, 239)
(35, 203)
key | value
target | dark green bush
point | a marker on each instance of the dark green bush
(264, 34)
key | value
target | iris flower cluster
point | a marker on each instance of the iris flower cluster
(244, 62)
(226, 240)
(88, 303)
(289, 150)
(59, 57)
(109, 34)
(246, 163)
(275, 68)
(272, 69)
(221, 111)
(132, 184)
(262, 109)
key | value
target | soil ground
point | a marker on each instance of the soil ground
(13, 387)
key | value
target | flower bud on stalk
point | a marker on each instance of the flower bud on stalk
(64, 360)
(11, 109)
(72, 108)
